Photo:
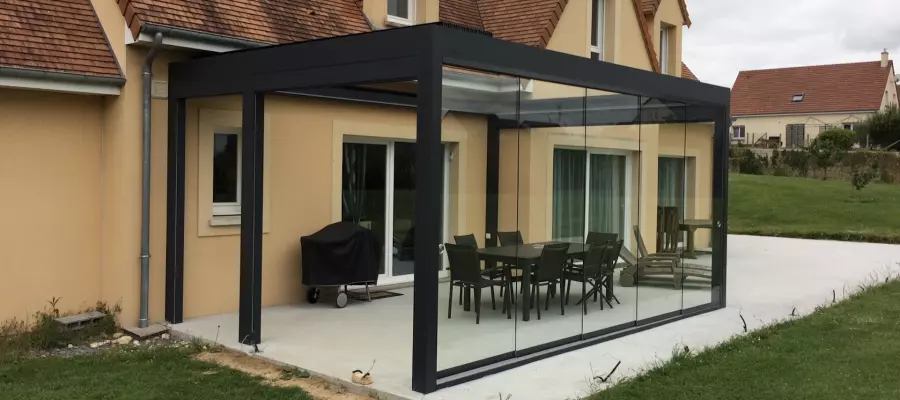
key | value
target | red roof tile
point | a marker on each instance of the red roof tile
(686, 73)
(54, 35)
(529, 22)
(650, 6)
(826, 88)
(461, 12)
(269, 21)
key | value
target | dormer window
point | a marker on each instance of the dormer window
(798, 98)
(401, 12)
(597, 27)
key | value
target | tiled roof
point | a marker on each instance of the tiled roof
(269, 21)
(461, 12)
(529, 22)
(650, 6)
(825, 88)
(54, 35)
(687, 73)
(645, 34)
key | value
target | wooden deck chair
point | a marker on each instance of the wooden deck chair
(656, 264)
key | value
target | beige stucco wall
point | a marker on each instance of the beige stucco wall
(756, 127)
(526, 172)
(50, 151)
(669, 14)
(891, 88)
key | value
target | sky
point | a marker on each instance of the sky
(728, 36)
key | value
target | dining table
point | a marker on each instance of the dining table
(525, 257)
(690, 226)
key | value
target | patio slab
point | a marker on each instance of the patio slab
(767, 279)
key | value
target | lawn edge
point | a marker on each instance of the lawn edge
(837, 236)
(679, 355)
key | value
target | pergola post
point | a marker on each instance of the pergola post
(175, 212)
(427, 223)
(252, 139)
(492, 182)
(721, 145)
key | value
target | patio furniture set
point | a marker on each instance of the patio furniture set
(556, 265)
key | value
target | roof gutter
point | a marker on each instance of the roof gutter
(60, 81)
(186, 38)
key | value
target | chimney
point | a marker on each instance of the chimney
(884, 58)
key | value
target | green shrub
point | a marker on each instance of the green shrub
(750, 163)
(861, 177)
(830, 147)
(797, 160)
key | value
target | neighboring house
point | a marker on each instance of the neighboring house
(71, 147)
(798, 103)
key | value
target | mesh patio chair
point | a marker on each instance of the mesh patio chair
(588, 274)
(510, 238)
(490, 273)
(466, 272)
(550, 267)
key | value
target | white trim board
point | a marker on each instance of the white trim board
(53, 85)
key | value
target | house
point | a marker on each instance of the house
(169, 155)
(796, 104)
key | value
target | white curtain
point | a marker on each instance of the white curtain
(568, 195)
(606, 201)
(671, 183)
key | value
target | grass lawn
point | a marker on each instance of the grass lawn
(165, 373)
(813, 208)
(849, 351)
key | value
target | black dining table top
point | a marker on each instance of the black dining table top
(528, 251)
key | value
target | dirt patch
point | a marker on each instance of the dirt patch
(277, 376)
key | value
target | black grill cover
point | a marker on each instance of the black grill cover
(340, 254)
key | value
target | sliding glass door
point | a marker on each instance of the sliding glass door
(590, 194)
(378, 193)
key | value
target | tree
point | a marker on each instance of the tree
(830, 146)
(882, 128)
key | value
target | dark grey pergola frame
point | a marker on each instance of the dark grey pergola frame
(327, 67)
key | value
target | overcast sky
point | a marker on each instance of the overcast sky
(728, 36)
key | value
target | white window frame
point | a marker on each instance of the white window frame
(664, 36)
(230, 208)
(600, 14)
(400, 21)
(743, 130)
(852, 126)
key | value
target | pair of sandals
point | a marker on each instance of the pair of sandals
(361, 378)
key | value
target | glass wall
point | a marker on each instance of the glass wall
(572, 213)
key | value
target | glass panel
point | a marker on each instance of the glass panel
(613, 140)
(479, 131)
(404, 197)
(569, 178)
(661, 275)
(399, 8)
(551, 181)
(363, 188)
(698, 224)
(226, 168)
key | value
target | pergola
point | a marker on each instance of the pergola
(336, 67)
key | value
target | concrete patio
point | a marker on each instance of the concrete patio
(767, 278)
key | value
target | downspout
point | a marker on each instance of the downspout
(145, 181)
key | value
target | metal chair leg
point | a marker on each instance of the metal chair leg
(493, 300)
(450, 306)
(477, 304)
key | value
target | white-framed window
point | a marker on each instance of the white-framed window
(597, 27)
(850, 127)
(739, 132)
(226, 172)
(401, 12)
(664, 37)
